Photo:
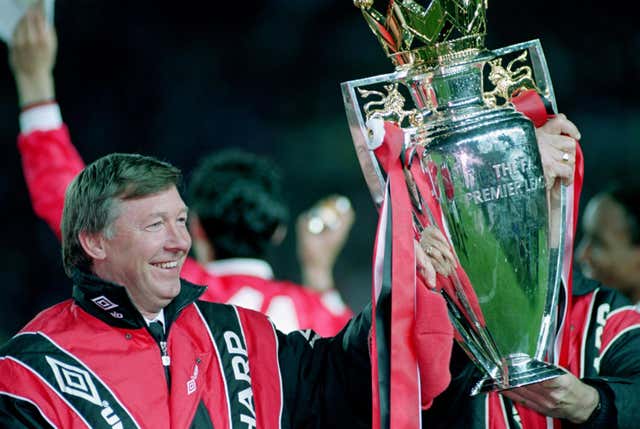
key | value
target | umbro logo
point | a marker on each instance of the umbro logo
(77, 382)
(104, 303)
(191, 384)
(74, 381)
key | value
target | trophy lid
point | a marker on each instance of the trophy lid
(426, 33)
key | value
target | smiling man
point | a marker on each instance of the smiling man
(136, 348)
(146, 243)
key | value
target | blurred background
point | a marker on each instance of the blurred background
(179, 79)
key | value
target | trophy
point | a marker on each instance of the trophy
(451, 97)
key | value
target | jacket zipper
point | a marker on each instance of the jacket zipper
(166, 362)
(166, 359)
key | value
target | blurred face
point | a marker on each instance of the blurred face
(606, 253)
(147, 249)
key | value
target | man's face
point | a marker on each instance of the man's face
(149, 245)
(606, 253)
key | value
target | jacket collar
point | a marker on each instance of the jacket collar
(581, 284)
(110, 302)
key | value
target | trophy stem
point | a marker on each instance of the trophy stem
(448, 87)
(458, 87)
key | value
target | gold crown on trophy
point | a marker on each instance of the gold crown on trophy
(429, 32)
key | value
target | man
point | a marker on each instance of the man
(136, 348)
(240, 212)
(50, 163)
(610, 248)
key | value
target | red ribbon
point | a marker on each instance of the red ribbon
(404, 391)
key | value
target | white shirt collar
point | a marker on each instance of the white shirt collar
(241, 266)
(158, 318)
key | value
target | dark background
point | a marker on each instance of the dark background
(179, 79)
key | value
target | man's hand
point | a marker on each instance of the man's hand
(434, 255)
(32, 56)
(564, 397)
(437, 249)
(557, 144)
(321, 234)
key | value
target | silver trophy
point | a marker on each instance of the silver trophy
(451, 96)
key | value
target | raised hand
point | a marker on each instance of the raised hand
(321, 234)
(557, 145)
(32, 57)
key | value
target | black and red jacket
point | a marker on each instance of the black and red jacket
(92, 362)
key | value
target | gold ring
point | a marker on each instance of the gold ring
(315, 224)
(429, 250)
(565, 157)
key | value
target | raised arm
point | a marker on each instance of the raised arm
(321, 233)
(49, 160)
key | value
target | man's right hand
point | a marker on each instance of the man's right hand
(32, 56)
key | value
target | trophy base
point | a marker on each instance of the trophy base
(520, 372)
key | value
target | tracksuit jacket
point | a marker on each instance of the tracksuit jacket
(92, 362)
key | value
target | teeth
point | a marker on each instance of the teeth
(167, 265)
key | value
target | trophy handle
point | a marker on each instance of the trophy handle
(373, 175)
(541, 75)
